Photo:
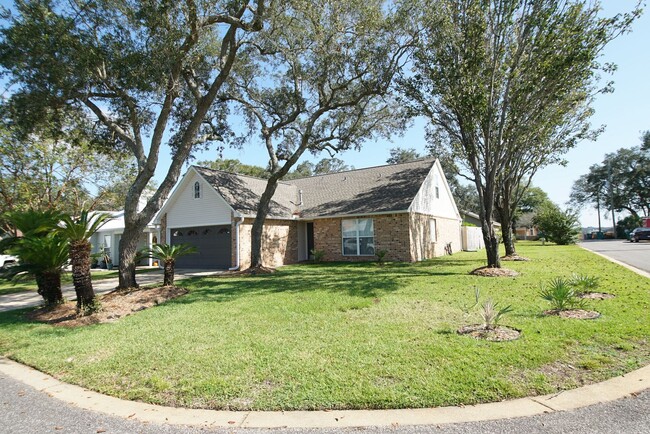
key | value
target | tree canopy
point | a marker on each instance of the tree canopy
(506, 86)
(620, 182)
(141, 74)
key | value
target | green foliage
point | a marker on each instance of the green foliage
(171, 252)
(489, 311)
(236, 166)
(381, 254)
(560, 227)
(402, 155)
(507, 87)
(560, 293)
(584, 283)
(318, 255)
(622, 180)
(79, 229)
(627, 225)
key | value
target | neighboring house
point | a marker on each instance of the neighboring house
(473, 219)
(108, 237)
(406, 209)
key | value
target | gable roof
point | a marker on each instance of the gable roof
(243, 192)
(372, 190)
(381, 189)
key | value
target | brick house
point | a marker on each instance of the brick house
(406, 209)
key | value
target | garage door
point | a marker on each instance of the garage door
(212, 242)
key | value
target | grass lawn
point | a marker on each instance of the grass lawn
(350, 336)
(8, 287)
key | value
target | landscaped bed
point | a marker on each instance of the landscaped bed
(327, 336)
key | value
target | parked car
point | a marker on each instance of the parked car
(639, 234)
(6, 260)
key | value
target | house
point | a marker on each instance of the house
(108, 237)
(405, 209)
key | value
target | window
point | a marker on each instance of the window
(436, 181)
(432, 230)
(358, 237)
(197, 190)
(437, 193)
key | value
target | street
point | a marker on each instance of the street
(634, 254)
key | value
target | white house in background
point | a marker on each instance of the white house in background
(108, 237)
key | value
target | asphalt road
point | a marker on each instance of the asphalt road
(634, 254)
(23, 409)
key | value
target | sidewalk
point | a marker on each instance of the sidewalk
(21, 300)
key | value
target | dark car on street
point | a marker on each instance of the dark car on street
(639, 234)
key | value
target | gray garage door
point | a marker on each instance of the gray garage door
(212, 242)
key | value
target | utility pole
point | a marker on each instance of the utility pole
(611, 194)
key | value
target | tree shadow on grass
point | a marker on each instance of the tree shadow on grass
(364, 280)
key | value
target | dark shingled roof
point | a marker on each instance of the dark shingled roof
(362, 191)
(243, 192)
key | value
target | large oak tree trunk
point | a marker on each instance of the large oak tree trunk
(128, 249)
(83, 285)
(258, 225)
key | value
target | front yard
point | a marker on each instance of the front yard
(350, 336)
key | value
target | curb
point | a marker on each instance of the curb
(609, 390)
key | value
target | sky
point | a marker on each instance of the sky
(625, 113)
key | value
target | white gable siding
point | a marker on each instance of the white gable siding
(186, 211)
(425, 202)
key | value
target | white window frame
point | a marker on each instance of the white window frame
(433, 230)
(357, 238)
(197, 190)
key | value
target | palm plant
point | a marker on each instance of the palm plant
(561, 294)
(78, 232)
(584, 283)
(168, 254)
(42, 252)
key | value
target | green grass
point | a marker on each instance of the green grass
(328, 336)
(9, 287)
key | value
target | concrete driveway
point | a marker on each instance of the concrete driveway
(25, 299)
(635, 254)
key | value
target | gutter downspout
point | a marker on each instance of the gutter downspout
(237, 223)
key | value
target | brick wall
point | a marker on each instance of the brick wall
(447, 231)
(391, 234)
(279, 243)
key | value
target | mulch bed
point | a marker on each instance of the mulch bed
(574, 313)
(114, 305)
(498, 334)
(253, 271)
(494, 272)
(514, 258)
(596, 295)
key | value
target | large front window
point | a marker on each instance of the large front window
(358, 237)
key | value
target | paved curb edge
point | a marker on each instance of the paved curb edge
(609, 390)
(616, 261)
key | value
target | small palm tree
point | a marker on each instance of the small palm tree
(168, 254)
(78, 232)
(41, 251)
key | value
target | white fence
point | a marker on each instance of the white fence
(472, 238)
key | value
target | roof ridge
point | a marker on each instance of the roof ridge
(365, 168)
(282, 181)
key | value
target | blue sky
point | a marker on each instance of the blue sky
(625, 113)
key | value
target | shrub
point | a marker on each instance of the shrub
(489, 311)
(318, 255)
(583, 283)
(380, 255)
(561, 294)
(560, 227)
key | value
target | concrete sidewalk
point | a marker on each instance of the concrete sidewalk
(21, 300)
